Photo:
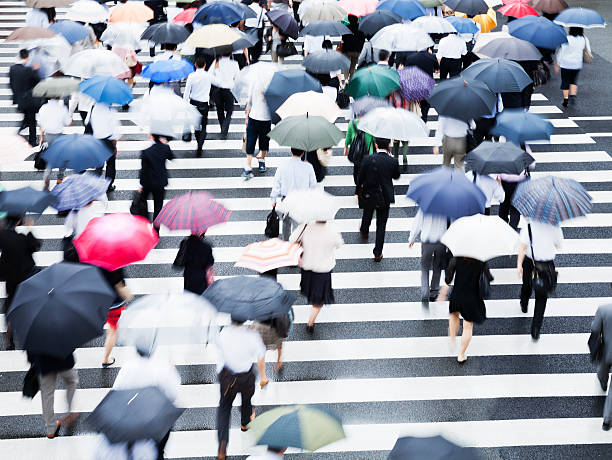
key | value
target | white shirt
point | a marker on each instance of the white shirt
(429, 226)
(489, 186)
(313, 43)
(258, 107)
(450, 127)
(451, 47)
(37, 18)
(141, 450)
(258, 21)
(143, 372)
(164, 56)
(546, 240)
(570, 54)
(104, 122)
(225, 74)
(330, 92)
(319, 242)
(293, 174)
(53, 117)
(81, 102)
(198, 86)
(77, 220)
(238, 347)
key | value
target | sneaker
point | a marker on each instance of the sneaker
(262, 167)
(246, 175)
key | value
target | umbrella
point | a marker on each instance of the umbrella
(517, 10)
(185, 17)
(325, 61)
(358, 7)
(168, 70)
(407, 9)
(580, 17)
(538, 31)
(435, 25)
(29, 33)
(498, 158)
(79, 190)
(519, 126)
(89, 63)
(219, 12)
(500, 75)
(424, 60)
(259, 73)
(106, 89)
(194, 211)
(320, 10)
(373, 22)
(549, 6)
(307, 206)
(462, 25)
(70, 30)
(312, 103)
(269, 255)
(379, 81)
(87, 11)
(284, 83)
(552, 200)
(487, 21)
(511, 48)
(164, 32)
(306, 133)
(463, 99)
(77, 151)
(318, 28)
(13, 149)
(246, 40)
(304, 427)
(215, 37)
(431, 3)
(50, 53)
(124, 34)
(393, 123)
(47, 3)
(131, 12)
(256, 298)
(447, 192)
(56, 87)
(364, 104)
(284, 22)
(134, 414)
(18, 202)
(60, 308)
(415, 85)
(470, 7)
(401, 37)
(434, 447)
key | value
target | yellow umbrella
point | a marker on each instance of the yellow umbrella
(131, 12)
(487, 21)
(217, 36)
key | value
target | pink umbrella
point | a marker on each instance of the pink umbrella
(185, 17)
(116, 240)
(358, 7)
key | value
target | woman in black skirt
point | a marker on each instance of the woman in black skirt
(199, 260)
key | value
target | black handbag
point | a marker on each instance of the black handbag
(31, 385)
(484, 285)
(544, 274)
(70, 252)
(343, 99)
(286, 49)
(179, 260)
(596, 346)
(272, 225)
(139, 205)
(39, 162)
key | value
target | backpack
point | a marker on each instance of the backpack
(359, 148)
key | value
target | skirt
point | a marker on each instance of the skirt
(317, 287)
(113, 316)
(270, 338)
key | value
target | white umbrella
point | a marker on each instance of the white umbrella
(13, 149)
(393, 123)
(260, 73)
(402, 37)
(483, 39)
(480, 237)
(320, 10)
(88, 63)
(311, 103)
(51, 53)
(312, 205)
(87, 11)
(124, 34)
(434, 25)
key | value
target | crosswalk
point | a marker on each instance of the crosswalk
(377, 358)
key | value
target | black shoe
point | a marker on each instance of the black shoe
(310, 329)
(198, 153)
(364, 236)
(535, 333)
(524, 307)
(425, 302)
(603, 385)
(111, 188)
(378, 258)
(433, 297)
(605, 426)
(565, 101)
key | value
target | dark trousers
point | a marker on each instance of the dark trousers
(237, 383)
(88, 128)
(425, 106)
(240, 59)
(540, 298)
(200, 134)
(507, 212)
(158, 198)
(483, 126)
(256, 50)
(29, 121)
(449, 68)
(224, 102)
(382, 214)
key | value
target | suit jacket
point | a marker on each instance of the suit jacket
(602, 323)
(153, 172)
(22, 80)
(387, 169)
(16, 261)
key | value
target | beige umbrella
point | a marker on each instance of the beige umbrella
(48, 3)
(29, 33)
(56, 87)
(217, 37)
(13, 149)
(321, 10)
(311, 103)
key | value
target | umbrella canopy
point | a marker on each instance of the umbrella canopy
(269, 255)
(318, 28)
(393, 123)
(431, 3)
(549, 6)
(185, 16)
(70, 30)
(124, 34)
(519, 126)
(29, 33)
(246, 40)
(87, 11)
(407, 9)
(135, 414)
(415, 85)
(510, 47)
(131, 12)
(114, 241)
(325, 61)
(257, 75)
(284, 22)
(424, 60)
(78, 190)
(580, 17)
(56, 87)
(432, 447)
(364, 104)
(47, 3)
(321, 10)
(106, 89)
(216, 37)
(463, 99)
(402, 37)
(498, 158)
(164, 32)
(487, 21)
(538, 31)
(92, 62)
(194, 211)
(312, 103)
(284, 83)
(13, 149)
(469, 7)
(552, 200)
(447, 192)
(77, 151)
(60, 308)
(18, 202)
(378, 81)
(373, 22)
(517, 10)
(307, 206)
(168, 70)
(50, 53)
(462, 25)
(219, 12)
(358, 7)
(435, 25)
(304, 427)
(306, 132)
(244, 297)
(500, 75)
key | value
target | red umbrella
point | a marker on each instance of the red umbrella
(509, 2)
(517, 10)
(116, 240)
(185, 17)
(196, 211)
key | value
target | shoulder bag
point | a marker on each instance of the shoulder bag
(31, 385)
(139, 205)
(286, 49)
(587, 57)
(544, 274)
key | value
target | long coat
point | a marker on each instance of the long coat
(198, 259)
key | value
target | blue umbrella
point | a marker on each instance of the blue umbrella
(580, 17)
(168, 70)
(519, 126)
(500, 75)
(78, 190)
(538, 31)
(407, 9)
(26, 199)
(463, 25)
(70, 30)
(219, 12)
(447, 192)
(106, 89)
(77, 151)
(284, 83)
(284, 22)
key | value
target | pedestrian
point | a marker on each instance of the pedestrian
(116, 280)
(105, 126)
(352, 44)
(258, 125)
(451, 134)
(539, 244)
(273, 332)
(509, 182)
(375, 192)
(238, 347)
(76, 221)
(451, 48)
(37, 17)
(364, 145)
(602, 327)
(569, 59)
(197, 93)
(485, 123)
(53, 117)
(319, 242)
(272, 453)
(199, 261)
(258, 24)
(275, 38)
(427, 62)
(368, 54)
(22, 79)
(491, 188)
(153, 172)
(82, 104)
(294, 174)
(223, 75)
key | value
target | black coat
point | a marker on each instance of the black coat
(22, 80)
(45, 364)
(153, 172)
(388, 169)
(198, 259)
(16, 262)
(465, 297)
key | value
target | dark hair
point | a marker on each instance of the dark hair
(24, 54)
(327, 44)
(296, 152)
(13, 221)
(323, 78)
(200, 62)
(576, 31)
(383, 143)
(383, 55)
(169, 46)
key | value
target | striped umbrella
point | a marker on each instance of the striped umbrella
(415, 85)
(79, 190)
(552, 199)
(270, 254)
(192, 211)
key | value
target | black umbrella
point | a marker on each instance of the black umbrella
(424, 60)
(498, 158)
(469, 7)
(164, 32)
(248, 39)
(60, 308)
(463, 99)
(432, 448)
(284, 22)
(318, 28)
(373, 22)
(246, 297)
(500, 75)
(132, 415)
(284, 83)
(326, 61)
(26, 199)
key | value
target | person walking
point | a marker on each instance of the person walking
(197, 93)
(258, 125)
(375, 180)
(602, 326)
(364, 145)
(450, 51)
(256, 23)
(153, 172)
(22, 79)
(273, 332)
(53, 117)
(105, 126)
(223, 75)
(116, 280)
(199, 261)
(569, 59)
(491, 188)
(352, 45)
(452, 136)
(427, 62)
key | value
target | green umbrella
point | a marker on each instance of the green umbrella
(431, 3)
(306, 133)
(56, 87)
(300, 426)
(375, 80)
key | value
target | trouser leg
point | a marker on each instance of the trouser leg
(382, 214)
(426, 262)
(224, 412)
(366, 220)
(111, 170)
(158, 201)
(71, 380)
(436, 267)
(603, 372)
(29, 120)
(218, 98)
(247, 391)
(201, 135)
(287, 224)
(424, 109)
(538, 313)
(527, 286)
(47, 398)
(228, 103)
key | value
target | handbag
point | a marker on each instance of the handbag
(286, 49)
(186, 137)
(544, 276)
(484, 285)
(31, 385)
(179, 260)
(596, 346)
(139, 205)
(343, 99)
(272, 225)
(39, 162)
(587, 57)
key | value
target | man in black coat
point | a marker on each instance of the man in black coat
(22, 80)
(376, 175)
(153, 173)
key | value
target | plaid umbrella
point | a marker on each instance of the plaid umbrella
(552, 199)
(415, 85)
(78, 190)
(193, 211)
(270, 254)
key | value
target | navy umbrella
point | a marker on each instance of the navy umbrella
(284, 22)
(70, 30)
(373, 22)
(500, 75)
(219, 12)
(430, 448)
(580, 17)
(511, 48)
(325, 61)
(245, 297)
(164, 32)
(318, 28)
(519, 126)
(424, 60)
(539, 31)
(469, 7)
(284, 83)
(26, 199)
(60, 308)
(498, 158)
(463, 99)
(77, 151)
(407, 9)
(248, 39)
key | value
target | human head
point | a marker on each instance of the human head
(169, 46)
(200, 62)
(383, 55)
(24, 54)
(13, 221)
(296, 152)
(576, 31)
(382, 143)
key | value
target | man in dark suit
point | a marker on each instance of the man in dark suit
(22, 80)
(376, 176)
(602, 324)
